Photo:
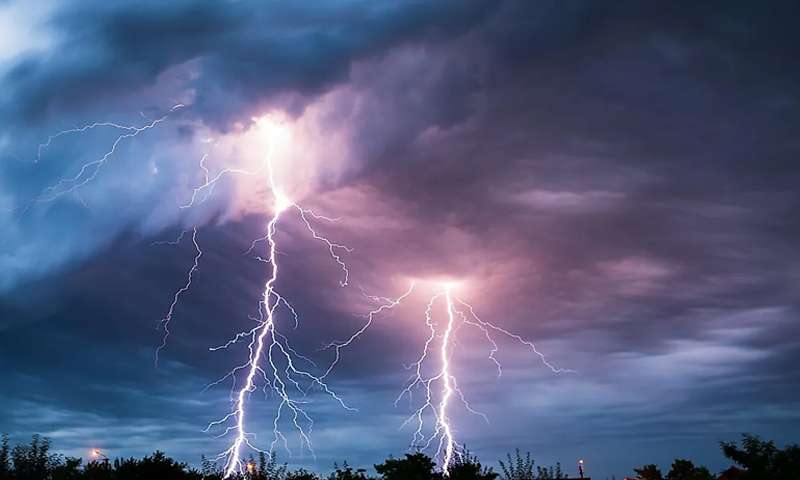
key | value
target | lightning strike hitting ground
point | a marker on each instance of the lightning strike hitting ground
(441, 386)
(271, 357)
(271, 360)
(443, 382)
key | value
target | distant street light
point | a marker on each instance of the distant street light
(580, 467)
(97, 453)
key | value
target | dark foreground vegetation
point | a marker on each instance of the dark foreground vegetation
(754, 459)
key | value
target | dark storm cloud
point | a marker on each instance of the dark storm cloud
(244, 51)
(621, 178)
(223, 60)
(639, 149)
(643, 158)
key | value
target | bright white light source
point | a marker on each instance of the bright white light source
(282, 202)
(276, 130)
(450, 285)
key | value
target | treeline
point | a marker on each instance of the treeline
(36, 461)
(754, 458)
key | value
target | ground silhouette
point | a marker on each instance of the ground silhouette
(755, 459)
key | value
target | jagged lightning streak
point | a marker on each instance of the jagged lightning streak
(387, 304)
(442, 430)
(89, 171)
(206, 188)
(234, 453)
(271, 357)
(485, 327)
(209, 183)
(165, 321)
(447, 387)
(440, 387)
(442, 383)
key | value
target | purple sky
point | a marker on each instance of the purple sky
(617, 183)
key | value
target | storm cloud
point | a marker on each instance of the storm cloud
(616, 181)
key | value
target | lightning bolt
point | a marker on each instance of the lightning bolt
(207, 187)
(271, 358)
(89, 171)
(387, 304)
(448, 382)
(443, 383)
(440, 388)
(487, 328)
(272, 362)
(443, 432)
(165, 321)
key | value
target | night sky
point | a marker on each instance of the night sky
(615, 181)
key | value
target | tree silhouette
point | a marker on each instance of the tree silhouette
(466, 466)
(302, 474)
(210, 470)
(760, 460)
(550, 473)
(5, 459)
(70, 469)
(417, 466)
(518, 467)
(685, 470)
(33, 461)
(521, 468)
(100, 471)
(346, 472)
(763, 460)
(649, 472)
(267, 468)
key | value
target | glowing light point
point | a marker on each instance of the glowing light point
(96, 453)
(276, 130)
(282, 202)
(450, 285)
